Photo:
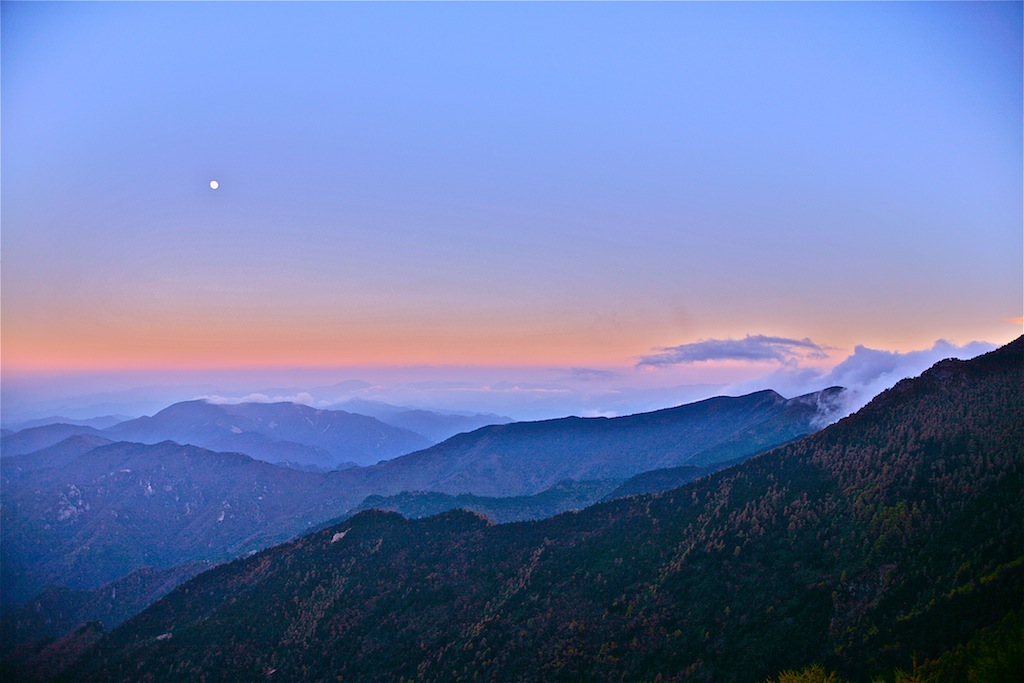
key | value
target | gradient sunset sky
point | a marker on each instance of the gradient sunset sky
(630, 186)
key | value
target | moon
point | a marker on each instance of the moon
(214, 184)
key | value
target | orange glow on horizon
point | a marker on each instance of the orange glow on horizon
(78, 344)
(96, 353)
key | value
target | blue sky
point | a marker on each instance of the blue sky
(502, 185)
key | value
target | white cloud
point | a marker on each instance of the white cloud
(865, 374)
(752, 348)
(302, 397)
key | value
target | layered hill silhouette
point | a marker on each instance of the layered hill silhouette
(276, 432)
(565, 495)
(101, 422)
(434, 425)
(15, 467)
(32, 439)
(888, 540)
(88, 511)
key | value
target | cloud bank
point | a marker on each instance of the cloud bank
(865, 374)
(752, 348)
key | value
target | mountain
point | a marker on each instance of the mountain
(101, 422)
(96, 514)
(58, 455)
(274, 432)
(566, 495)
(664, 479)
(889, 540)
(563, 496)
(46, 659)
(525, 458)
(58, 611)
(277, 432)
(35, 438)
(87, 511)
(433, 425)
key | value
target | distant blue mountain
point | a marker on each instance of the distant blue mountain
(274, 432)
(525, 458)
(433, 425)
(293, 434)
(101, 422)
(35, 438)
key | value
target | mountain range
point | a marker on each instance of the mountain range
(276, 432)
(287, 433)
(87, 511)
(69, 508)
(887, 542)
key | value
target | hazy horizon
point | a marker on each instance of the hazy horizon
(531, 209)
(521, 393)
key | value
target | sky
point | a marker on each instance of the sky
(530, 208)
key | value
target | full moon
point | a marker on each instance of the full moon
(214, 184)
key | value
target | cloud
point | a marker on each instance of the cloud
(301, 397)
(869, 372)
(521, 387)
(865, 374)
(757, 348)
(598, 413)
(791, 367)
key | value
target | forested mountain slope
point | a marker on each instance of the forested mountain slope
(80, 514)
(58, 611)
(893, 535)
